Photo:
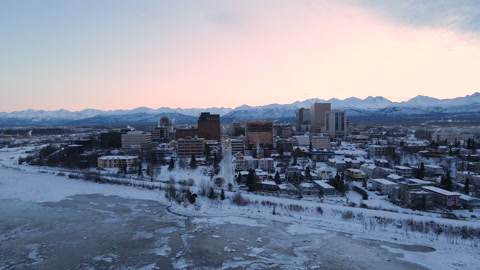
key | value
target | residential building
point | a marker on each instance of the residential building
(403, 171)
(469, 202)
(371, 170)
(326, 173)
(322, 155)
(317, 116)
(412, 195)
(320, 142)
(381, 150)
(449, 138)
(245, 163)
(384, 186)
(309, 189)
(325, 188)
(117, 161)
(237, 145)
(355, 175)
(444, 198)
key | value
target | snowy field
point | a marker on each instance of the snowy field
(53, 222)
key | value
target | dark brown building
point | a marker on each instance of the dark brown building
(209, 126)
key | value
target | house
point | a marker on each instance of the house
(288, 189)
(326, 173)
(355, 175)
(266, 186)
(340, 165)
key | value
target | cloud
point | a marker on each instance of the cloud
(461, 15)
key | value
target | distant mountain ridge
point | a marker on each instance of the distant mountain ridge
(368, 109)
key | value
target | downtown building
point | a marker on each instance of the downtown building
(317, 116)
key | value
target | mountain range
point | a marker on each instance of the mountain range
(368, 109)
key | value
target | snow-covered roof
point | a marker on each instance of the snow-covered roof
(384, 181)
(117, 157)
(272, 183)
(441, 191)
(323, 184)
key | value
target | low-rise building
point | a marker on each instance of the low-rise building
(371, 170)
(190, 146)
(384, 186)
(325, 188)
(403, 171)
(444, 198)
(117, 161)
(469, 202)
(309, 189)
(355, 175)
(326, 173)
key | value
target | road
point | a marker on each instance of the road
(227, 170)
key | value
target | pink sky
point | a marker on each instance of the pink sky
(253, 55)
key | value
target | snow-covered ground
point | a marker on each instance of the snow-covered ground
(270, 232)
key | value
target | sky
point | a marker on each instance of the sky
(118, 54)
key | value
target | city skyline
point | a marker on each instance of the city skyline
(119, 55)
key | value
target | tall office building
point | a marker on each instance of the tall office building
(303, 119)
(208, 126)
(259, 132)
(164, 131)
(317, 116)
(336, 123)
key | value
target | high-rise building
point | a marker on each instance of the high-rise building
(317, 116)
(336, 123)
(164, 131)
(259, 133)
(208, 126)
(137, 140)
(303, 120)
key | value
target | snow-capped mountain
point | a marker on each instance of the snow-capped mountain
(368, 109)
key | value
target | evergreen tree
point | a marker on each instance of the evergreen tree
(446, 181)
(222, 195)
(277, 178)
(308, 174)
(193, 162)
(140, 172)
(420, 171)
(251, 180)
(466, 188)
(294, 163)
(171, 164)
(211, 193)
(239, 178)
